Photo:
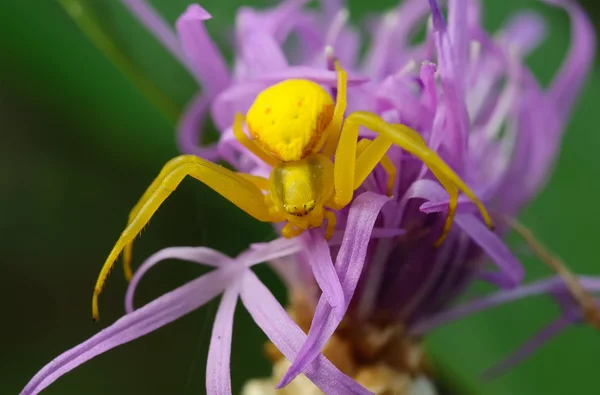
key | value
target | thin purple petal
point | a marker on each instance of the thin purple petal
(152, 316)
(393, 30)
(430, 96)
(378, 233)
(465, 205)
(455, 135)
(236, 98)
(493, 246)
(575, 69)
(538, 288)
(218, 374)
(538, 340)
(511, 272)
(458, 32)
(320, 76)
(319, 257)
(277, 21)
(264, 252)
(191, 126)
(270, 316)
(349, 263)
(525, 30)
(261, 54)
(208, 64)
(201, 255)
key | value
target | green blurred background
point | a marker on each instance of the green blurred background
(78, 145)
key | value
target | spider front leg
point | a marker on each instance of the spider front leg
(167, 168)
(335, 126)
(407, 139)
(240, 191)
(368, 154)
(355, 160)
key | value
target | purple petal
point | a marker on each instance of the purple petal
(347, 47)
(236, 98)
(288, 338)
(320, 76)
(437, 18)
(202, 255)
(150, 317)
(349, 264)
(276, 22)
(541, 287)
(378, 233)
(319, 257)
(191, 126)
(260, 54)
(535, 149)
(264, 252)
(209, 67)
(525, 30)
(537, 341)
(458, 34)
(569, 80)
(430, 96)
(234, 153)
(378, 59)
(332, 7)
(465, 205)
(398, 91)
(393, 30)
(218, 375)
(511, 271)
(510, 268)
(457, 118)
(157, 26)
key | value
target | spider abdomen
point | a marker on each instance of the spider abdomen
(288, 119)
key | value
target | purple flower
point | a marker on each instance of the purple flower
(368, 295)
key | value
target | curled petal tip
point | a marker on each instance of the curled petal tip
(195, 13)
(286, 379)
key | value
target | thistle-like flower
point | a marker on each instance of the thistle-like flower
(361, 300)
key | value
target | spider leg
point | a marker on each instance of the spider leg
(368, 154)
(410, 141)
(238, 132)
(236, 189)
(260, 182)
(167, 168)
(331, 220)
(335, 126)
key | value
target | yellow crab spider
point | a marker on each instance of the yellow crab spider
(296, 128)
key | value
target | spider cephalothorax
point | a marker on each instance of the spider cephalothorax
(317, 163)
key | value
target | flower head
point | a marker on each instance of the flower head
(383, 280)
